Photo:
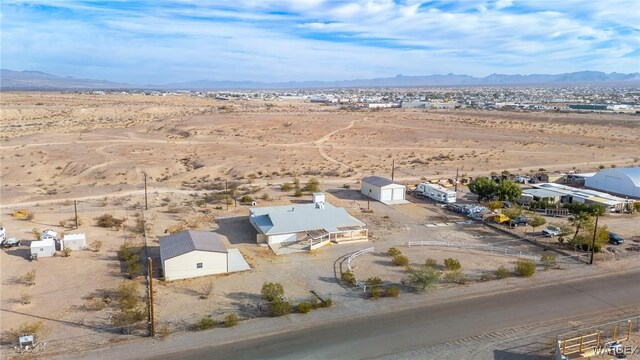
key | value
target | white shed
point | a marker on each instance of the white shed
(74, 242)
(192, 253)
(43, 248)
(619, 181)
(384, 190)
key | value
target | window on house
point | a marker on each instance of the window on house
(199, 265)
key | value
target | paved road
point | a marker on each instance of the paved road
(406, 333)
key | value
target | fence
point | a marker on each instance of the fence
(595, 338)
(483, 247)
(359, 283)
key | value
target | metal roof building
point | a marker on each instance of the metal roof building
(619, 181)
(192, 253)
(317, 222)
(384, 190)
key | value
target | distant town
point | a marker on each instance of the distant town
(565, 99)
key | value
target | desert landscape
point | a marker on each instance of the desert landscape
(96, 150)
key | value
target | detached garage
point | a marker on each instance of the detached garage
(383, 190)
(192, 253)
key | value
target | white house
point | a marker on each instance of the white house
(43, 248)
(74, 242)
(314, 224)
(384, 190)
(192, 253)
(619, 181)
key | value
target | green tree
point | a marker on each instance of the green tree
(272, 291)
(507, 190)
(536, 221)
(513, 212)
(424, 277)
(579, 221)
(484, 187)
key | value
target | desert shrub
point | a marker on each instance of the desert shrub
(231, 320)
(279, 308)
(272, 291)
(36, 328)
(265, 197)
(525, 267)
(130, 309)
(430, 262)
(296, 183)
(401, 260)
(108, 221)
(312, 185)
(375, 292)
(36, 234)
(94, 304)
(315, 303)
(29, 278)
(66, 252)
(393, 251)
(95, 245)
(548, 261)
(140, 227)
(373, 281)
(424, 277)
(163, 332)
(348, 277)
(286, 187)
(246, 199)
(328, 302)
(25, 298)
(298, 193)
(392, 291)
(485, 277)
(125, 253)
(455, 277)
(494, 205)
(502, 272)
(304, 307)
(452, 264)
(204, 324)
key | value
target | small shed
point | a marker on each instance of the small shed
(384, 190)
(43, 248)
(192, 253)
(74, 242)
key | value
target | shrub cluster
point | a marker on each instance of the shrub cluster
(452, 264)
(525, 267)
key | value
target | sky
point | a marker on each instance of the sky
(161, 42)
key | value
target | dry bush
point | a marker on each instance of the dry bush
(109, 221)
(163, 332)
(33, 328)
(231, 320)
(29, 278)
(66, 252)
(95, 245)
(25, 298)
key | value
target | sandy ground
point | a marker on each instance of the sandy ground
(94, 149)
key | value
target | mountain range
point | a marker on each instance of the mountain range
(36, 80)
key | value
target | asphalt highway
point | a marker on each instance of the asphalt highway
(389, 333)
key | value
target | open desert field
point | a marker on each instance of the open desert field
(59, 145)
(95, 149)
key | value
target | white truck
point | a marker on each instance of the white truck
(436, 192)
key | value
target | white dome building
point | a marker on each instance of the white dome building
(619, 181)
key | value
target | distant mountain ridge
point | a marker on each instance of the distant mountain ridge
(36, 80)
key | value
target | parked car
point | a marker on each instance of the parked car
(615, 239)
(500, 218)
(551, 231)
(519, 221)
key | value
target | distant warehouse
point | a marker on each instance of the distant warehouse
(619, 181)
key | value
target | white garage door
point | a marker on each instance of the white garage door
(386, 195)
(398, 194)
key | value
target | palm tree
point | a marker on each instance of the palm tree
(579, 221)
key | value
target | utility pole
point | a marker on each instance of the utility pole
(456, 184)
(393, 168)
(151, 310)
(226, 194)
(75, 210)
(146, 205)
(593, 243)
